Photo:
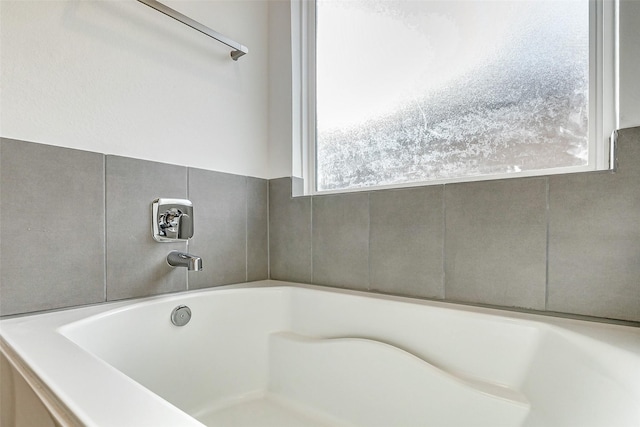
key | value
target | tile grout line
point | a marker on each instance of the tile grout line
(246, 229)
(104, 226)
(547, 214)
(444, 242)
(310, 232)
(369, 240)
(268, 229)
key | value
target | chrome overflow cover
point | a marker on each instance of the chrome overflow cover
(181, 315)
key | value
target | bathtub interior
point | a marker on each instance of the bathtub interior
(308, 357)
(217, 358)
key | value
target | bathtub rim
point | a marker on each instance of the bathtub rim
(490, 309)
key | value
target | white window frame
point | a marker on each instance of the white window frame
(603, 99)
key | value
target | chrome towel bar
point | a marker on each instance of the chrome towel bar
(239, 49)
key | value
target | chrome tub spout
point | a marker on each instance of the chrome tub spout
(182, 259)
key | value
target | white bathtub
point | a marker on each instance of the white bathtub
(279, 354)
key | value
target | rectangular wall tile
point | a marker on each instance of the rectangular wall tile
(289, 233)
(594, 238)
(341, 240)
(495, 242)
(406, 241)
(220, 217)
(257, 229)
(52, 228)
(136, 264)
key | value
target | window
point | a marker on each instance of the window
(408, 92)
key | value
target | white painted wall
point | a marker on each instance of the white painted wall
(118, 77)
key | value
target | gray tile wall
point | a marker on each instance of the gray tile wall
(289, 233)
(340, 240)
(52, 216)
(257, 229)
(134, 259)
(496, 242)
(565, 243)
(75, 227)
(594, 238)
(221, 239)
(406, 238)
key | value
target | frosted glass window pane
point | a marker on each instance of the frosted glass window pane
(412, 91)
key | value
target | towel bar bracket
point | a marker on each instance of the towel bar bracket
(238, 49)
